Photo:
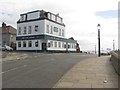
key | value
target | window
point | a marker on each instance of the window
(68, 46)
(59, 44)
(55, 44)
(19, 44)
(29, 43)
(55, 29)
(59, 32)
(62, 45)
(50, 16)
(56, 18)
(25, 31)
(24, 43)
(36, 28)
(72, 45)
(47, 29)
(29, 30)
(36, 44)
(62, 32)
(19, 31)
(51, 30)
(51, 43)
(22, 17)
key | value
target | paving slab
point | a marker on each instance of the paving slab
(90, 73)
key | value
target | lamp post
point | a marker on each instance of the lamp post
(95, 49)
(113, 45)
(98, 27)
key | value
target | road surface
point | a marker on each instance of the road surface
(40, 71)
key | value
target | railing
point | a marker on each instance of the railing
(115, 60)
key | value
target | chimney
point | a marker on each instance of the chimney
(3, 25)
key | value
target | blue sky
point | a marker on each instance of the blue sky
(108, 14)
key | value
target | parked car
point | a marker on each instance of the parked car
(105, 53)
(8, 48)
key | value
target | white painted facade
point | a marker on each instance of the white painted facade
(34, 27)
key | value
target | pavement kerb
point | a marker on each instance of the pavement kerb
(94, 79)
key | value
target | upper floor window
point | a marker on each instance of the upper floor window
(36, 28)
(55, 29)
(62, 32)
(51, 30)
(59, 32)
(50, 16)
(29, 30)
(25, 30)
(22, 17)
(47, 29)
(19, 31)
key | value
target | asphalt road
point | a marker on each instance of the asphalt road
(40, 71)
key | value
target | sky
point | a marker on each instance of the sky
(80, 17)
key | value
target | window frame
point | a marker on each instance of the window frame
(29, 29)
(56, 29)
(19, 30)
(25, 30)
(24, 44)
(29, 43)
(47, 30)
(19, 44)
(36, 28)
(36, 44)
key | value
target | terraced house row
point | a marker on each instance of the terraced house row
(42, 31)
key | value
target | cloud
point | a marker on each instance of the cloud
(107, 14)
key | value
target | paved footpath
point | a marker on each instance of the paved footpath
(90, 73)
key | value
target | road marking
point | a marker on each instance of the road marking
(14, 69)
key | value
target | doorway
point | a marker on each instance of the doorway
(44, 47)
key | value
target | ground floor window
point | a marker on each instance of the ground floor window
(24, 43)
(62, 45)
(19, 44)
(65, 46)
(59, 44)
(49, 45)
(55, 44)
(29, 43)
(36, 44)
(68, 46)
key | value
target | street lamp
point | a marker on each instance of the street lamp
(98, 27)
(95, 49)
(113, 45)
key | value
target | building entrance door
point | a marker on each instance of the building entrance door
(44, 47)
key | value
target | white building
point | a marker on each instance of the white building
(42, 31)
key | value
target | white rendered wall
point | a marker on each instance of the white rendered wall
(40, 24)
(54, 25)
